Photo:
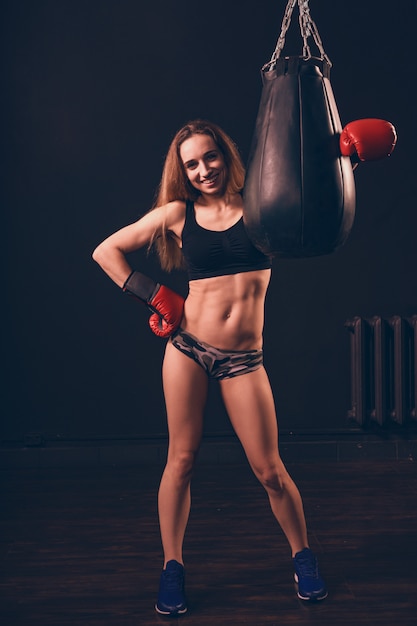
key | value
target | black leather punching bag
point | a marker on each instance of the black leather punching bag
(299, 195)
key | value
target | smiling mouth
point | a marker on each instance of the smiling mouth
(209, 181)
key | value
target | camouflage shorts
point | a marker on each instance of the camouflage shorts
(218, 364)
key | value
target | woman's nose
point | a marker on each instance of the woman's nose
(204, 169)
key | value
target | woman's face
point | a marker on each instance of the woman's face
(204, 164)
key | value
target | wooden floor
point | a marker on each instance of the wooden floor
(82, 547)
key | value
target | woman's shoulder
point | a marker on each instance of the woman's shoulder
(171, 215)
(171, 209)
(176, 208)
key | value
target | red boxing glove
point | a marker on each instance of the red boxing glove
(166, 305)
(169, 310)
(368, 139)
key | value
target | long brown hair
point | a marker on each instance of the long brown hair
(175, 184)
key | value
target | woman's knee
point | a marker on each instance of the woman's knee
(180, 465)
(272, 477)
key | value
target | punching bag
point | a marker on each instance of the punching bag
(299, 194)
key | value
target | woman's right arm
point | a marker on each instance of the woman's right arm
(111, 253)
(166, 305)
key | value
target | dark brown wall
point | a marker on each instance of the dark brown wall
(92, 94)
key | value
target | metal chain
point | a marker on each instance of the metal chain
(308, 28)
(281, 39)
(304, 21)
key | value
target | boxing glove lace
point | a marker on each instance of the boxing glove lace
(166, 305)
(368, 139)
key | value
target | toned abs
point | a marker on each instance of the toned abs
(228, 311)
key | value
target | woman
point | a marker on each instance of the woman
(216, 332)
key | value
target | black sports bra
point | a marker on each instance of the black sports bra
(211, 253)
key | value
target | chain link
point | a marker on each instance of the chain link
(281, 39)
(308, 28)
(304, 21)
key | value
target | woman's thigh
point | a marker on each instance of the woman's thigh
(185, 386)
(250, 405)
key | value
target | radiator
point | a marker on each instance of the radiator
(383, 364)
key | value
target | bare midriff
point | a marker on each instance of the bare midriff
(228, 311)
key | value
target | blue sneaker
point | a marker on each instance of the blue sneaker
(311, 586)
(171, 596)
